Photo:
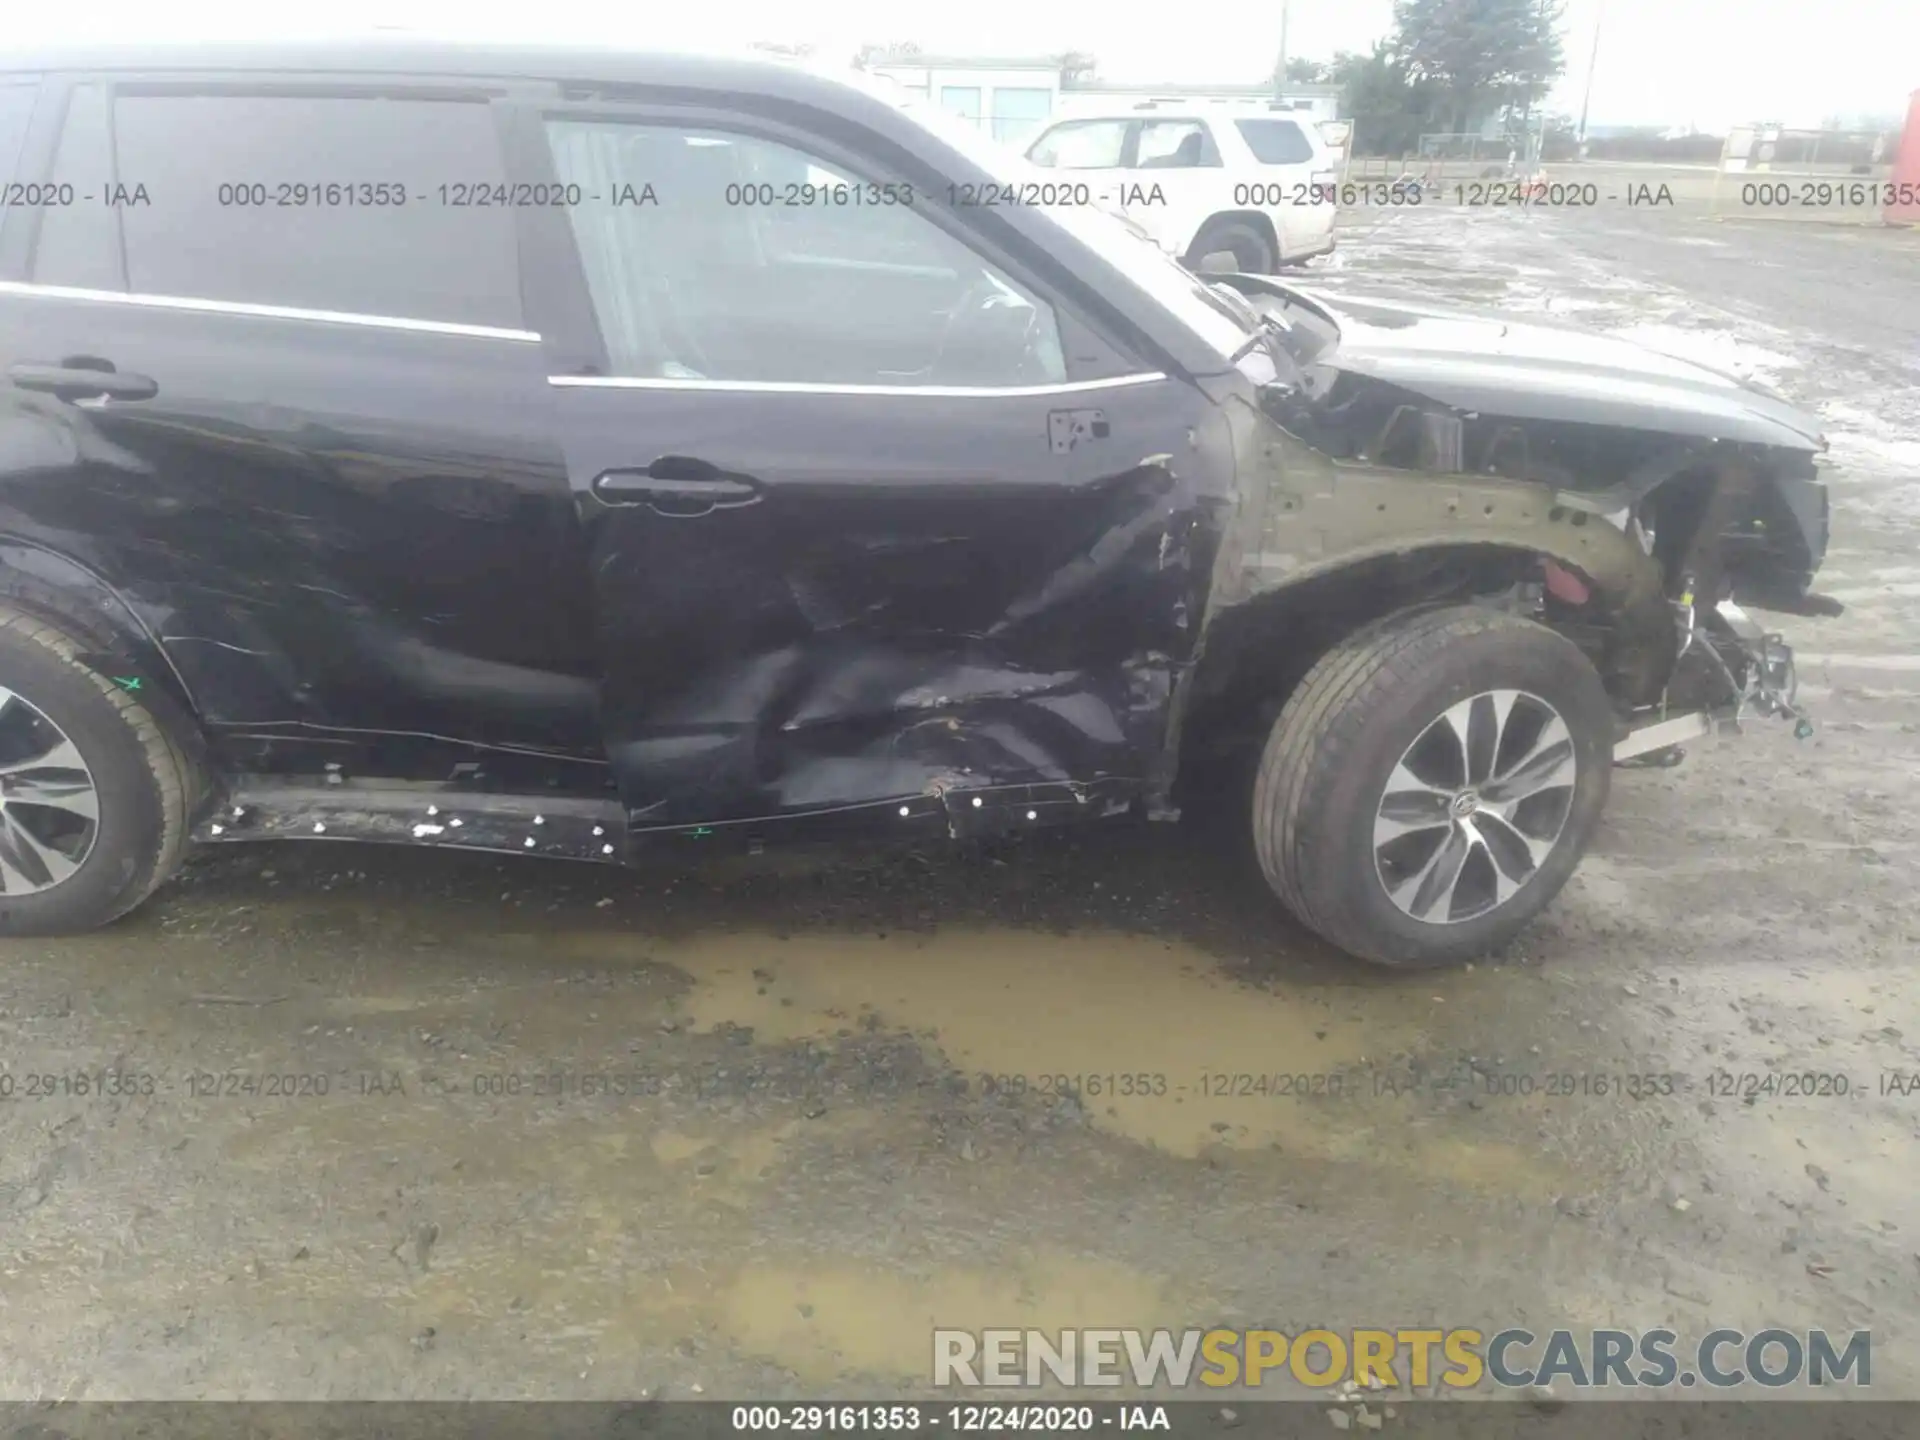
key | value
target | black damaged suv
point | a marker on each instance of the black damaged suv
(561, 453)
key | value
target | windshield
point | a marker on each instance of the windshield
(1113, 239)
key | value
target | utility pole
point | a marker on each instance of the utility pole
(1280, 69)
(1593, 61)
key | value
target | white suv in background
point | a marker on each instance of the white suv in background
(1204, 179)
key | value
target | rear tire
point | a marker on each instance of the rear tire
(93, 792)
(1415, 804)
(1253, 253)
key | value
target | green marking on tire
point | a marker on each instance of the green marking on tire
(127, 682)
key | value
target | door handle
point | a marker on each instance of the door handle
(679, 486)
(82, 377)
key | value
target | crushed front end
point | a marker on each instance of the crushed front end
(1633, 501)
(1750, 528)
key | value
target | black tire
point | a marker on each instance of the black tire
(1253, 253)
(142, 782)
(1342, 732)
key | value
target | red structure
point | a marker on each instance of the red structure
(1906, 172)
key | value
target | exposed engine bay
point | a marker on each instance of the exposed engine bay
(1712, 482)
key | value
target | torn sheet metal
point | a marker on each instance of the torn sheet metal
(977, 611)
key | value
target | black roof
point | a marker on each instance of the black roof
(402, 53)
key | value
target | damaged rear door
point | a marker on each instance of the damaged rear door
(875, 525)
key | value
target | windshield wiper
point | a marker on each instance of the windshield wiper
(1228, 298)
(1262, 325)
(1246, 311)
(1272, 332)
(1252, 343)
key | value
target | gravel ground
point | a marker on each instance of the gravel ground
(840, 1096)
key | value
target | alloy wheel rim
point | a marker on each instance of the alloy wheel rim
(49, 807)
(1474, 807)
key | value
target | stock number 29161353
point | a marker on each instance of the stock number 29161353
(1137, 1082)
(839, 195)
(74, 1084)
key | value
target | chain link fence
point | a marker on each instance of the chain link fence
(1772, 172)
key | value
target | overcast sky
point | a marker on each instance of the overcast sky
(1668, 62)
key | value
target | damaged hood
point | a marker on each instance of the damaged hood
(1487, 362)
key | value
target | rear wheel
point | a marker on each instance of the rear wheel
(1432, 783)
(93, 793)
(1253, 253)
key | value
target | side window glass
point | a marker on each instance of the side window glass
(16, 109)
(1276, 142)
(361, 205)
(79, 244)
(1176, 145)
(727, 257)
(1082, 145)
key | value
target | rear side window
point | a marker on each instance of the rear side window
(16, 109)
(79, 241)
(363, 205)
(1276, 142)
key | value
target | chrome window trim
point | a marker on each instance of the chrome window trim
(263, 312)
(804, 387)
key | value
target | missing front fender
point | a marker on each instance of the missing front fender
(1772, 682)
(1747, 670)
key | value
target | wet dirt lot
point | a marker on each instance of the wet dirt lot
(417, 1125)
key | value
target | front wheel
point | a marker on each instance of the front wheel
(1432, 783)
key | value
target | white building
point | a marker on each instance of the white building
(1012, 99)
